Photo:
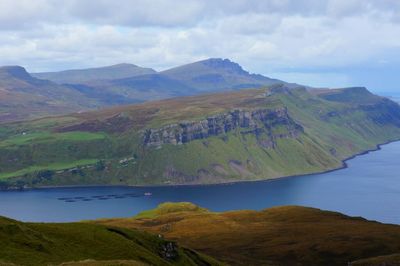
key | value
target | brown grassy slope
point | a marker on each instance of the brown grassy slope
(389, 260)
(278, 236)
(104, 263)
(158, 113)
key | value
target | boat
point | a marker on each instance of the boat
(148, 193)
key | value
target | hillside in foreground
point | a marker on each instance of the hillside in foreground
(88, 244)
(186, 234)
(216, 138)
(288, 235)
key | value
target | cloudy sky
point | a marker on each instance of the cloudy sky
(329, 43)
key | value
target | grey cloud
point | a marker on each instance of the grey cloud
(262, 35)
(20, 14)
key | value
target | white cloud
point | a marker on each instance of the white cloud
(264, 36)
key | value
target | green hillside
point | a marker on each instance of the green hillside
(243, 135)
(80, 244)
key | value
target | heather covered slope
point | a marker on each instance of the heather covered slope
(53, 244)
(288, 235)
(237, 136)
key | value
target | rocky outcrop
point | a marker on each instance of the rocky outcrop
(169, 251)
(266, 124)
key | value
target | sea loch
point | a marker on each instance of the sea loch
(369, 187)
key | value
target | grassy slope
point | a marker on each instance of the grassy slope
(335, 128)
(388, 260)
(104, 263)
(277, 236)
(43, 244)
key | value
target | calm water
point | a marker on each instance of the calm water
(370, 187)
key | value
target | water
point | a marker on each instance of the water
(369, 187)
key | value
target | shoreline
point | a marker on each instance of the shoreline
(344, 166)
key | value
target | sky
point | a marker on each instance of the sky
(323, 43)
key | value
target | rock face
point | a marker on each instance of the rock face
(226, 64)
(169, 251)
(266, 124)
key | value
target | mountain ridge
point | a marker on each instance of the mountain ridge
(222, 72)
(117, 71)
(93, 88)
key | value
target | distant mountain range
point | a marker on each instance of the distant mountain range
(26, 96)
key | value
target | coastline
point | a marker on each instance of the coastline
(344, 166)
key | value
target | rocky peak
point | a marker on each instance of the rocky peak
(224, 64)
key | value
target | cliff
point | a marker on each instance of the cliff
(260, 122)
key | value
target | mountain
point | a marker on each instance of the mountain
(287, 235)
(25, 97)
(242, 135)
(211, 75)
(216, 74)
(52, 93)
(82, 76)
(144, 87)
(88, 244)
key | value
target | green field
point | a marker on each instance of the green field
(38, 137)
(51, 167)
